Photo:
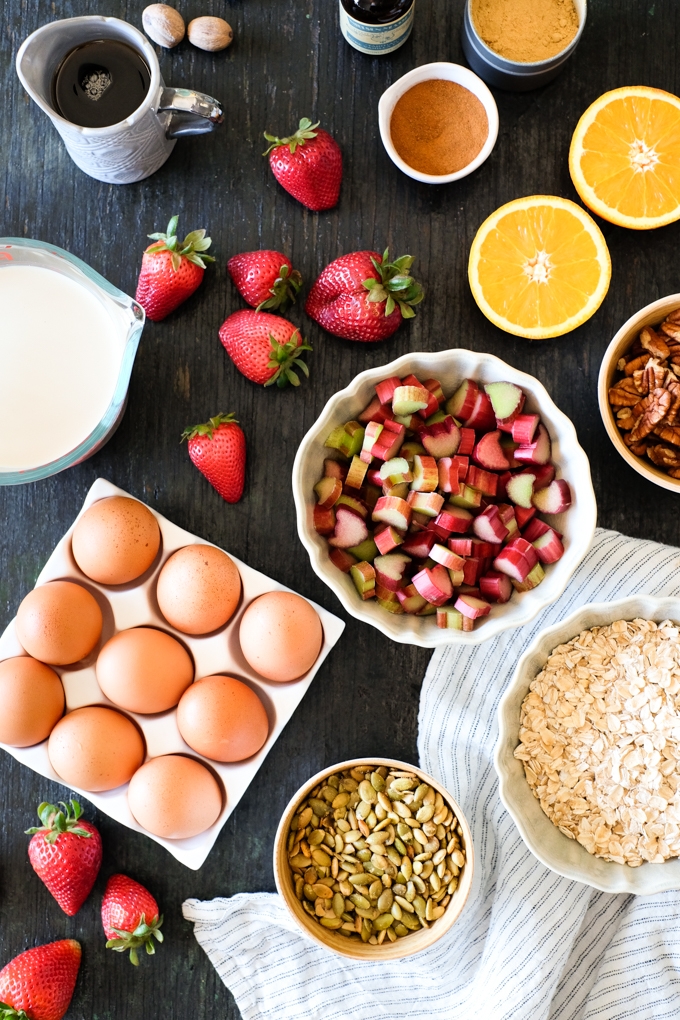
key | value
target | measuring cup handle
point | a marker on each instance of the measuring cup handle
(192, 113)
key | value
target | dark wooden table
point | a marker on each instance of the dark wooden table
(289, 60)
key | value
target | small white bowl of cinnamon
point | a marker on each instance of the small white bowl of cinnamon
(438, 122)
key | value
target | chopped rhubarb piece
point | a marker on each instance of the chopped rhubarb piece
(432, 406)
(532, 580)
(385, 594)
(376, 412)
(461, 546)
(371, 434)
(443, 524)
(544, 475)
(437, 416)
(363, 576)
(525, 548)
(450, 618)
(448, 559)
(449, 480)
(392, 510)
(409, 449)
(472, 569)
(436, 529)
(341, 559)
(523, 428)
(472, 607)
(350, 529)
(410, 600)
(468, 498)
(324, 520)
(390, 569)
(536, 527)
(462, 402)
(507, 401)
(489, 454)
(334, 469)
(441, 438)
(434, 584)
(427, 610)
(549, 548)
(538, 452)
(508, 446)
(391, 607)
(501, 488)
(489, 527)
(411, 422)
(401, 490)
(508, 517)
(482, 417)
(385, 390)
(469, 589)
(389, 441)
(419, 522)
(428, 503)
(387, 538)
(485, 481)
(467, 443)
(346, 438)
(367, 550)
(523, 515)
(520, 489)
(425, 474)
(554, 499)
(410, 399)
(419, 544)
(327, 491)
(435, 387)
(463, 464)
(495, 587)
(373, 477)
(460, 518)
(513, 563)
(356, 474)
(395, 471)
(357, 506)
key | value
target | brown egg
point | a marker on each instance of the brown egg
(222, 718)
(144, 670)
(59, 622)
(198, 589)
(116, 540)
(281, 635)
(174, 797)
(32, 700)
(95, 748)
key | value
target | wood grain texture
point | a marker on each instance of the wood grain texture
(288, 60)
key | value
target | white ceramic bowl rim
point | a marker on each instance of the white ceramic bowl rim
(654, 312)
(541, 836)
(570, 460)
(450, 72)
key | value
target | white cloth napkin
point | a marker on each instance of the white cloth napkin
(529, 944)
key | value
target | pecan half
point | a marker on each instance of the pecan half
(654, 343)
(664, 456)
(625, 419)
(674, 472)
(636, 363)
(622, 398)
(669, 433)
(649, 412)
(639, 449)
(650, 377)
(673, 416)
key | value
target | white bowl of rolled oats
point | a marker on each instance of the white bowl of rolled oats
(591, 725)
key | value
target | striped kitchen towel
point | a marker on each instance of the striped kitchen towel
(529, 945)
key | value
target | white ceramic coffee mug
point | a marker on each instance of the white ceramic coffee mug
(137, 146)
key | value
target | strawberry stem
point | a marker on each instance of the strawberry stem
(143, 935)
(394, 285)
(304, 133)
(193, 247)
(208, 428)
(8, 1012)
(55, 822)
(283, 357)
(286, 288)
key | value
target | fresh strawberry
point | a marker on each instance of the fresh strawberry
(171, 270)
(39, 984)
(308, 165)
(66, 853)
(130, 917)
(363, 296)
(264, 347)
(218, 449)
(265, 279)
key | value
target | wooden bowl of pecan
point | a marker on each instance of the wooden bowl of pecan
(639, 392)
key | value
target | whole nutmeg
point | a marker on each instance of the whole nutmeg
(210, 34)
(163, 25)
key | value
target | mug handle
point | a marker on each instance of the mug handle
(192, 113)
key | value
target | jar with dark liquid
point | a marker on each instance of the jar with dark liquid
(376, 26)
(100, 83)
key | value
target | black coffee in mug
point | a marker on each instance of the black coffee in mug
(100, 83)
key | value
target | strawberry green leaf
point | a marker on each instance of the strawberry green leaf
(394, 286)
(55, 821)
(8, 1012)
(133, 940)
(389, 305)
(286, 288)
(304, 133)
(209, 427)
(282, 358)
(192, 247)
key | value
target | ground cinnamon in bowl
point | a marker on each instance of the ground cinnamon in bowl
(438, 127)
(526, 31)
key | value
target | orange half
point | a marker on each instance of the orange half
(624, 157)
(539, 267)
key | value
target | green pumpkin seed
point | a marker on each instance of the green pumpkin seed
(319, 807)
(402, 784)
(316, 837)
(338, 904)
(309, 892)
(331, 922)
(383, 921)
(321, 858)
(392, 935)
(364, 854)
(422, 792)
(375, 889)
(419, 906)
(404, 903)
(425, 813)
(452, 886)
(299, 861)
(363, 808)
(377, 782)
(304, 818)
(361, 879)
(396, 911)
(399, 845)
(360, 901)
(394, 856)
(411, 921)
(400, 929)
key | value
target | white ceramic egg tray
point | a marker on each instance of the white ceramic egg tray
(134, 605)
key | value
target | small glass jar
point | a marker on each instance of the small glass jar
(376, 27)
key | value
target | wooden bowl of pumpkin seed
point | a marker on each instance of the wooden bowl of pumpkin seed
(373, 858)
